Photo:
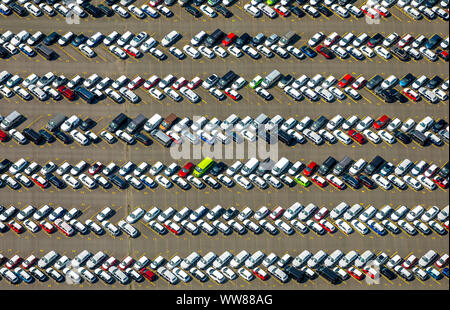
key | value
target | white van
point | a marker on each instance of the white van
(124, 38)
(170, 38)
(70, 123)
(280, 166)
(250, 166)
(339, 210)
(357, 167)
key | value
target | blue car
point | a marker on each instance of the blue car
(434, 273)
(27, 51)
(445, 271)
(433, 42)
(407, 79)
(154, 14)
(5, 10)
(147, 183)
(308, 51)
(379, 232)
(78, 40)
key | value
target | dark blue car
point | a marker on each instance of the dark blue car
(308, 51)
(433, 42)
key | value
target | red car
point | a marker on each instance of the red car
(232, 94)
(3, 136)
(138, 81)
(154, 2)
(355, 273)
(319, 180)
(49, 228)
(66, 92)
(40, 181)
(441, 182)
(95, 168)
(347, 79)
(357, 136)
(260, 273)
(15, 226)
(325, 52)
(186, 170)
(229, 39)
(276, 213)
(411, 94)
(310, 169)
(381, 122)
(194, 83)
(444, 55)
(281, 10)
(148, 274)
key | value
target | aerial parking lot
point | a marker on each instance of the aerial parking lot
(224, 144)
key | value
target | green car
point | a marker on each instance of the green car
(271, 2)
(256, 81)
(302, 180)
(213, 2)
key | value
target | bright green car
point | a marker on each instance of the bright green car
(271, 2)
(302, 180)
(256, 81)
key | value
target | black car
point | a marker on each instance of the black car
(193, 11)
(87, 124)
(117, 181)
(51, 38)
(404, 138)
(387, 273)
(4, 165)
(196, 2)
(400, 54)
(62, 136)
(218, 168)
(374, 82)
(287, 80)
(366, 181)
(434, 82)
(375, 40)
(442, 173)
(79, 39)
(19, 10)
(143, 139)
(47, 136)
(324, 11)
(55, 181)
(297, 11)
(407, 79)
(242, 40)
(91, 9)
(440, 124)
(105, 10)
(353, 182)
(301, 2)
(111, 2)
(433, 42)
(386, 96)
(3, 52)
(224, 11)
(398, 95)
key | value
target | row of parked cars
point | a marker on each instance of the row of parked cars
(373, 9)
(221, 44)
(314, 88)
(264, 174)
(335, 267)
(297, 218)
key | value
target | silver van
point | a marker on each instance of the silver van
(271, 79)
(11, 120)
(342, 166)
(286, 39)
(260, 120)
